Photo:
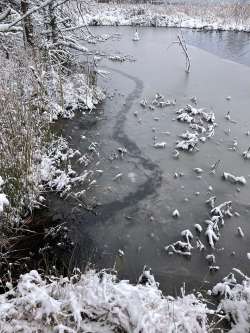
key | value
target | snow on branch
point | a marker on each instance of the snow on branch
(10, 27)
(5, 14)
(7, 28)
(72, 45)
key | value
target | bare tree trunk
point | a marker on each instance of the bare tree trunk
(27, 25)
(53, 24)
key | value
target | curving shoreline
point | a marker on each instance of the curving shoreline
(195, 17)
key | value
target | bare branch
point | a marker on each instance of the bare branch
(8, 27)
(5, 14)
(184, 48)
(60, 3)
(71, 45)
(31, 11)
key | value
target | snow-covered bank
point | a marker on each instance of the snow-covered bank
(42, 80)
(97, 302)
(210, 18)
(32, 161)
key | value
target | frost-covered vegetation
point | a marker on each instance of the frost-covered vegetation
(217, 16)
(42, 80)
(97, 302)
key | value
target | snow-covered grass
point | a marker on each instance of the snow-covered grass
(235, 302)
(68, 93)
(33, 160)
(214, 17)
(35, 91)
(98, 302)
(40, 82)
(34, 94)
(22, 133)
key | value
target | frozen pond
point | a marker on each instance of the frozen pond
(229, 45)
(134, 212)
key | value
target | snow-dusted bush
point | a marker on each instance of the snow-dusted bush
(54, 170)
(67, 91)
(235, 303)
(96, 302)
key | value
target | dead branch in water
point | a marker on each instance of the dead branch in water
(182, 43)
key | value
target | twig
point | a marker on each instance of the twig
(184, 48)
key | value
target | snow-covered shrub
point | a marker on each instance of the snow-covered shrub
(96, 302)
(235, 302)
(69, 89)
(54, 170)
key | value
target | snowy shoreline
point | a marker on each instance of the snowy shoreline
(164, 16)
(97, 302)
